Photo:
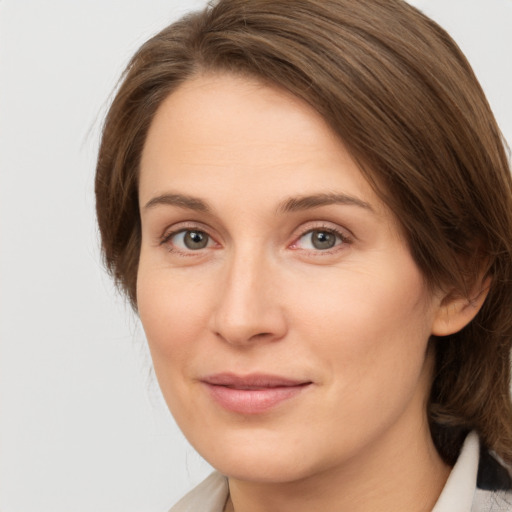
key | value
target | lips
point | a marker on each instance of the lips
(252, 394)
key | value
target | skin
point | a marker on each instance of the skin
(223, 156)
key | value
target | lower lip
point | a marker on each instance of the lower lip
(252, 401)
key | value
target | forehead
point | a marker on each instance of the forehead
(250, 137)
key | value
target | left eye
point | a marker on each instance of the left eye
(319, 240)
(191, 240)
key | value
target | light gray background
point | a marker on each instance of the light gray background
(82, 424)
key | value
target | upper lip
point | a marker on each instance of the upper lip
(252, 381)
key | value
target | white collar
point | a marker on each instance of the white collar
(209, 496)
(459, 491)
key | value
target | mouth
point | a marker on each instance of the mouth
(252, 394)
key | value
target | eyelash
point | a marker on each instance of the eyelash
(342, 236)
(166, 238)
(339, 234)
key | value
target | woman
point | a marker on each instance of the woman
(309, 205)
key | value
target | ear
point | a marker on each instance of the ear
(456, 311)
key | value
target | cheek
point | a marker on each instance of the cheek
(385, 297)
(371, 327)
(173, 313)
(172, 310)
(369, 335)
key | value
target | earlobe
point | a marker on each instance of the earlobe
(456, 311)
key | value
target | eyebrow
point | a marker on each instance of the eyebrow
(179, 200)
(292, 204)
(300, 203)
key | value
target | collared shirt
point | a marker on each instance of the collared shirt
(477, 483)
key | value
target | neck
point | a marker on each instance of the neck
(385, 478)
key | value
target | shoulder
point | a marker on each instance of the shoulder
(492, 501)
(494, 486)
(479, 482)
(209, 496)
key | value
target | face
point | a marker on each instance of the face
(286, 318)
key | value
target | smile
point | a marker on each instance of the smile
(252, 394)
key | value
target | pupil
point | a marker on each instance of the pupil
(195, 240)
(323, 240)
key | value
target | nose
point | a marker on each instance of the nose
(249, 307)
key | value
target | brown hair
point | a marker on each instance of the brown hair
(404, 100)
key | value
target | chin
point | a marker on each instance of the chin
(278, 468)
(262, 456)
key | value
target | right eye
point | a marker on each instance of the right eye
(188, 240)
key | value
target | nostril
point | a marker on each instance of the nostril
(243, 338)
